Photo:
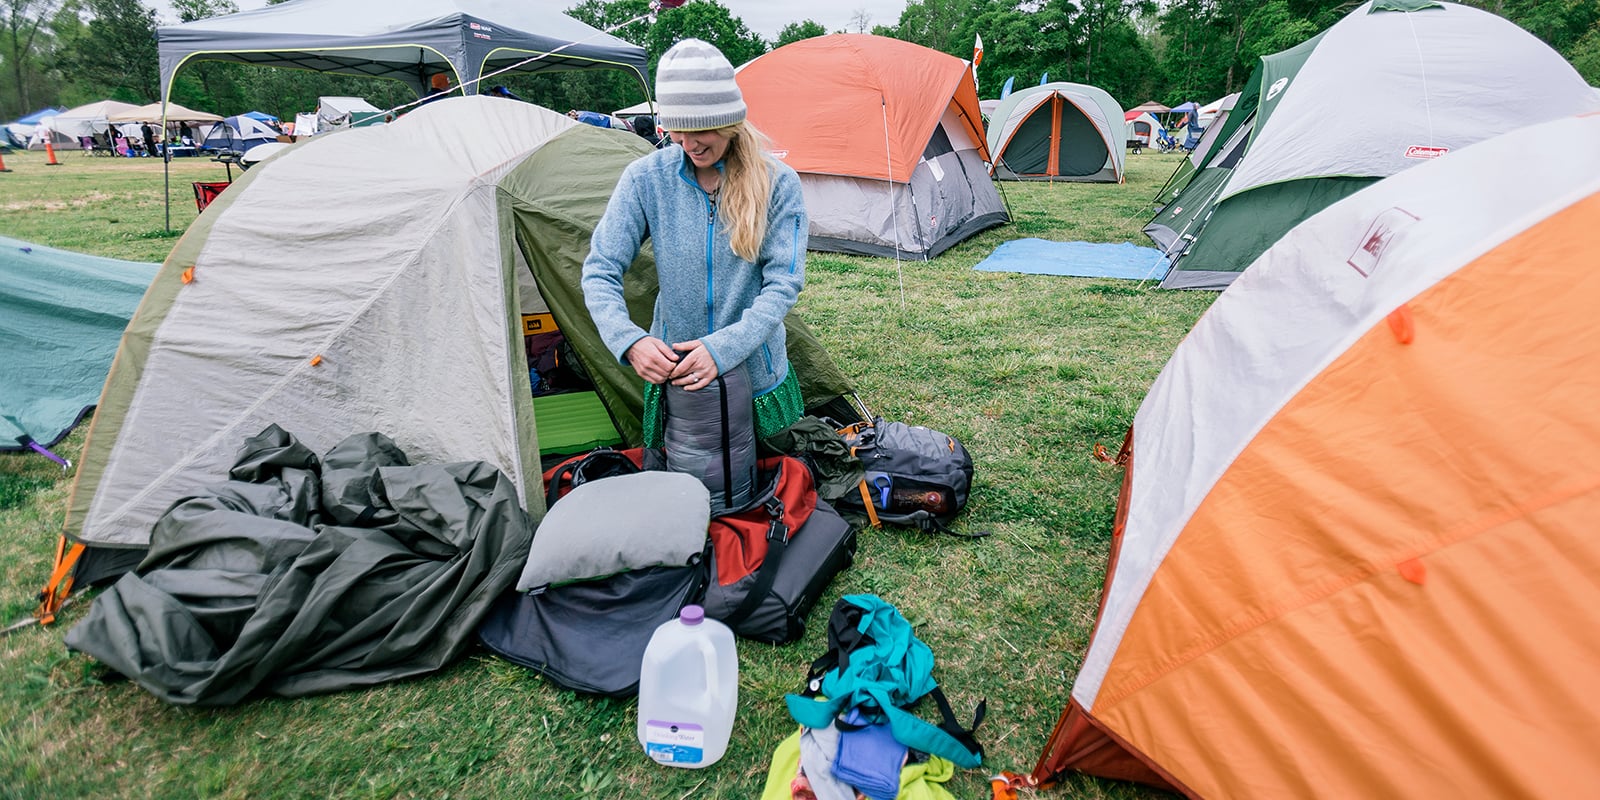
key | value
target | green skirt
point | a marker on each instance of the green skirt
(774, 410)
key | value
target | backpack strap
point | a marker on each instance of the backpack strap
(918, 734)
(570, 472)
(727, 459)
(777, 542)
(562, 472)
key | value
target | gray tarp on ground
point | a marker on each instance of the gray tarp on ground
(302, 576)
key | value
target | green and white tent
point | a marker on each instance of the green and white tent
(1058, 132)
(1392, 84)
(376, 280)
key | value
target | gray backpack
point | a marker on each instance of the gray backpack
(915, 476)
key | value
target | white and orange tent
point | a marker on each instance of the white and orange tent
(1355, 553)
(887, 137)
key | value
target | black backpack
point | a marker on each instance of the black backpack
(915, 476)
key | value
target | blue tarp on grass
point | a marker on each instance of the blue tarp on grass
(1077, 259)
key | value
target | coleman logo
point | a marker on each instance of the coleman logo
(1424, 151)
(1385, 228)
(1276, 87)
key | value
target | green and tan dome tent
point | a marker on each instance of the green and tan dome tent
(376, 279)
(1058, 132)
(1355, 552)
(1391, 85)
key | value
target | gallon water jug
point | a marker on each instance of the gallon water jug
(688, 690)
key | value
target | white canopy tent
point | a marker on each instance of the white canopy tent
(406, 40)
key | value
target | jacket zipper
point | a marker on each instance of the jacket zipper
(711, 223)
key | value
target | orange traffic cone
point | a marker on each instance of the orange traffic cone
(50, 154)
(3, 167)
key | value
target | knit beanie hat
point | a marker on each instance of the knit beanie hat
(695, 90)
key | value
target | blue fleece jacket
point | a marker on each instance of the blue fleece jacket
(735, 307)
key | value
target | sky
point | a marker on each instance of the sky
(765, 17)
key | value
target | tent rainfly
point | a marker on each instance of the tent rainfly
(1416, 70)
(1059, 131)
(412, 325)
(1354, 554)
(887, 138)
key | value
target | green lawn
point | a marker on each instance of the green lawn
(1029, 371)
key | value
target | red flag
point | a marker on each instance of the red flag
(977, 50)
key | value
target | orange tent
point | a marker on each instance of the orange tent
(828, 122)
(860, 109)
(1355, 553)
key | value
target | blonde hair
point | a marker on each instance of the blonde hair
(746, 189)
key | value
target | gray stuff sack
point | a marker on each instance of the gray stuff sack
(711, 434)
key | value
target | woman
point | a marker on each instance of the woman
(728, 225)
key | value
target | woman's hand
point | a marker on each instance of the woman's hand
(652, 359)
(696, 368)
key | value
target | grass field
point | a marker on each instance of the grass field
(1029, 371)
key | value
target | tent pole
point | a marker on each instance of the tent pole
(166, 186)
(166, 165)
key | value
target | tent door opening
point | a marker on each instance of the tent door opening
(569, 414)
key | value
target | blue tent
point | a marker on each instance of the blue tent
(239, 134)
(61, 319)
(17, 130)
(261, 117)
(33, 119)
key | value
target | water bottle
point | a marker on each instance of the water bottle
(688, 690)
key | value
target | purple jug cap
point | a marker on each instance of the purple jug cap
(692, 615)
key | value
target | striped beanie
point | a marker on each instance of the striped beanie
(695, 90)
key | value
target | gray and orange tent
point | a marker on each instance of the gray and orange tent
(887, 137)
(1354, 554)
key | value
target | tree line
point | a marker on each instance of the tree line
(69, 52)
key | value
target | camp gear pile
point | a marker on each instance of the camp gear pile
(759, 569)
(875, 669)
(301, 575)
(769, 562)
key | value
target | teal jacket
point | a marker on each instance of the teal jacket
(732, 305)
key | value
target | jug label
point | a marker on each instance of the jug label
(674, 742)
